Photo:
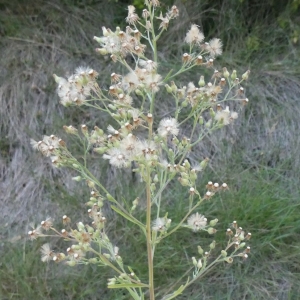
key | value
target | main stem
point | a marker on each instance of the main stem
(149, 244)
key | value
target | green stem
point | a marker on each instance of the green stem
(149, 243)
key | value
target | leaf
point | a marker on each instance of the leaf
(129, 217)
(126, 285)
(176, 293)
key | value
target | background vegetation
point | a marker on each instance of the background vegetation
(258, 158)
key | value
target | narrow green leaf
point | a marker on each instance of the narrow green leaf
(126, 285)
(129, 217)
(176, 293)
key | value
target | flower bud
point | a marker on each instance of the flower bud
(93, 260)
(201, 81)
(102, 51)
(138, 92)
(77, 178)
(211, 230)
(194, 261)
(225, 73)
(174, 87)
(204, 163)
(242, 245)
(208, 123)
(184, 103)
(112, 107)
(233, 75)
(199, 264)
(80, 226)
(246, 75)
(184, 182)
(200, 250)
(229, 259)
(70, 129)
(70, 263)
(168, 88)
(213, 222)
(223, 253)
(212, 245)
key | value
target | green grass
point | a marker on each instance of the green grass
(258, 157)
(259, 206)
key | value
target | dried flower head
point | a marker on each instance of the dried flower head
(225, 116)
(194, 35)
(214, 47)
(47, 253)
(159, 224)
(47, 224)
(197, 222)
(132, 16)
(168, 126)
(164, 21)
(116, 157)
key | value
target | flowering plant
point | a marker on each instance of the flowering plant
(157, 148)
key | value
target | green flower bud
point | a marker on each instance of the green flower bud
(212, 113)
(93, 260)
(99, 131)
(70, 129)
(201, 121)
(184, 103)
(77, 178)
(223, 253)
(139, 92)
(80, 226)
(90, 229)
(200, 250)
(229, 259)
(111, 281)
(211, 230)
(208, 123)
(193, 175)
(201, 81)
(102, 51)
(194, 261)
(99, 39)
(90, 184)
(58, 79)
(71, 263)
(110, 198)
(174, 87)
(204, 163)
(213, 222)
(187, 164)
(246, 75)
(168, 88)
(225, 73)
(199, 264)
(100, 150)
(184, 182)
(233, 75)
(212, 245)
(242, 245)
(152, 187)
